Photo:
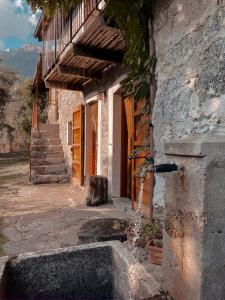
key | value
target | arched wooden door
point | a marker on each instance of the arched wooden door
(77, 146)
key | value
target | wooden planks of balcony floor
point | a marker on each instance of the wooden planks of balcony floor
(75, 61)
(103, 37)
(97, 36)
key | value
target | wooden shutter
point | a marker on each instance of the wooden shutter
(77, 145)
(137, 132)
(129, 108)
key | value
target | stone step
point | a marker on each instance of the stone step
(47, 161)
(45, 134)
(47, 155)
(49, 169)
(48, 126)
(45, 179)
(45, 141)
(41, 148)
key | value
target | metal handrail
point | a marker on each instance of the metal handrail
(63, 29)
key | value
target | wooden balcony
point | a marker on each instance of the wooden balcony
(80, 46)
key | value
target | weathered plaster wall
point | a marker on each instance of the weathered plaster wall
(103, 138)
(190, 72)
(67, 102)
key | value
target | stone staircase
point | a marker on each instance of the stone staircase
(47, 157)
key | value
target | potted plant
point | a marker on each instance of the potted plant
(140, 240)
(155, 251)
(149, 236)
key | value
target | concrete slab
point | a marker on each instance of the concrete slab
(194, 221)
(196, 145)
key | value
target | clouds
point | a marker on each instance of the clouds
(2, 45)
(19, 4)
(33, 19)
(16, 20)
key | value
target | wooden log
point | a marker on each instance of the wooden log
(96, 190)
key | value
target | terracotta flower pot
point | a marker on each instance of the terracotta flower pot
(154, 254)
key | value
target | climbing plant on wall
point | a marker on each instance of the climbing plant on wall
(132, 17)
(51, 6)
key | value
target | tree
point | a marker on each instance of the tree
(27, 98)
(49, 7)
(7, 79)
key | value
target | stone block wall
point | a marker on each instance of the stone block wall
(194, 220)
(189, 37)
(67, 103)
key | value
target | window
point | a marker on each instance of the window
(69, 133)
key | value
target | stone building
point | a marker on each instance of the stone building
(190, 87)
(189, 38)
(97, 126)
(98, 129)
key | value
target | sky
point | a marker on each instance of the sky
(17, 23)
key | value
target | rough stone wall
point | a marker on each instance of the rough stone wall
(52, 106)
(189, 37)
(67, 102)
(194, 220)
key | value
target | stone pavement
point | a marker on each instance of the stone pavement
(44, 217)
(45, 225)
(41, 217)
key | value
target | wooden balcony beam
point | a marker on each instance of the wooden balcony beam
(103, 55)
(63, 85)
(79, 72)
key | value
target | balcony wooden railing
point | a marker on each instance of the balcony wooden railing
(63, 29)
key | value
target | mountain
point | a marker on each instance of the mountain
(23, 60)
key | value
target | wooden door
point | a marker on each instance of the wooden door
(77, 145)
(137, 133)
(127, 136)
(125, 190)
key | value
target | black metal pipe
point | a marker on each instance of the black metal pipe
(165, 168)
(149, 159)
